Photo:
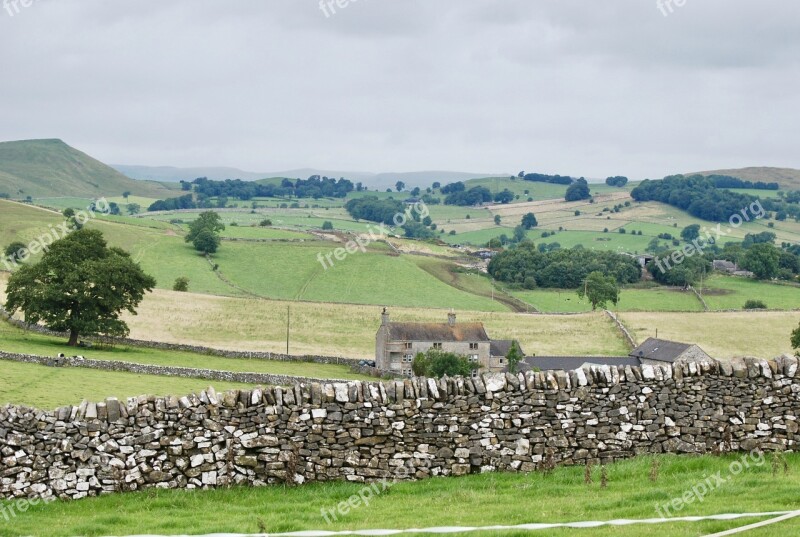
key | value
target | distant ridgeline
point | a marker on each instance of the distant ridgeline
(315, 187)
(708, 198)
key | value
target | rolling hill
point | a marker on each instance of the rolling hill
(372, 180)
(788, 178)
(51, 168)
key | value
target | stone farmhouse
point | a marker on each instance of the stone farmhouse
(396, 344)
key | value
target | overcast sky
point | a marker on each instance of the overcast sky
(578, 87)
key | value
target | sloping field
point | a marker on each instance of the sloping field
(346, 330)
(722, 335)
(44, 168)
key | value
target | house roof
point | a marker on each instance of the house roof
(660, 349)
(569, 363)
(501, 347)
(436, 332)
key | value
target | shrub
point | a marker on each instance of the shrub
(755, 305)
(265, 223)
(327, 225)
(181, 284)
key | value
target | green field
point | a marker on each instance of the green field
(731, 292)
(49, 387)
(46, 168)
(723, 335)
(274, 270)
(652, 299)
(477, 500)
(32, 384)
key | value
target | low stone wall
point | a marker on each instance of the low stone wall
(361, 431)
(248, 355)
(167, 371)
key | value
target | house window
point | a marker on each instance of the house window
(501, 361)
(473, 346)
(407, 372)
(474, 373)
(408, 358)
(473, 358)
(437, 346)
(408, 345)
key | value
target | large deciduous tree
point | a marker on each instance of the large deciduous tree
(80, 286)
(204, 232)
(600, 289)
(529, 221)
(762, 260)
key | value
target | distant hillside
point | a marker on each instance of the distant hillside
(172, 174)
(373, 180)
(51, 168)
(788, 178)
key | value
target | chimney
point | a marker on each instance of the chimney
(384, 317)
(451, 318)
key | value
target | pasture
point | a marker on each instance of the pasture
(721, 334)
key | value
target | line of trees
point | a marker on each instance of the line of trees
(726, 181)
(552, 179)
(375, 209)
(528, 267)
(695, 194)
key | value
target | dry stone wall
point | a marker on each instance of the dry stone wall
(362, 431)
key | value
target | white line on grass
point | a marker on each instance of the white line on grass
(782, 515)
(756, 525)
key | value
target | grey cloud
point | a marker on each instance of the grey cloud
(570, 86)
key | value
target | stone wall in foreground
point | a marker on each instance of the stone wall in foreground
(420, 427)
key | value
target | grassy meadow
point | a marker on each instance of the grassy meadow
(763, 334)
(475, 500)
(47, 388)
(344, 329)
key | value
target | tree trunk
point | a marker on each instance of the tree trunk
(73, 338)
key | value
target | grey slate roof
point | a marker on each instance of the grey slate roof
(500, 347)
(437, 332)
(569, 363)
(660, 349)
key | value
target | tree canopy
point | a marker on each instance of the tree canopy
(618, 181)
(577, 191)
(529, 221)
(375, 210)
(436, 364)
(600, 290)
(695, 194)
(80, 286)
(204, 232)
(560, 268)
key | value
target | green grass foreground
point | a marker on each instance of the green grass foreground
(477, 500)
